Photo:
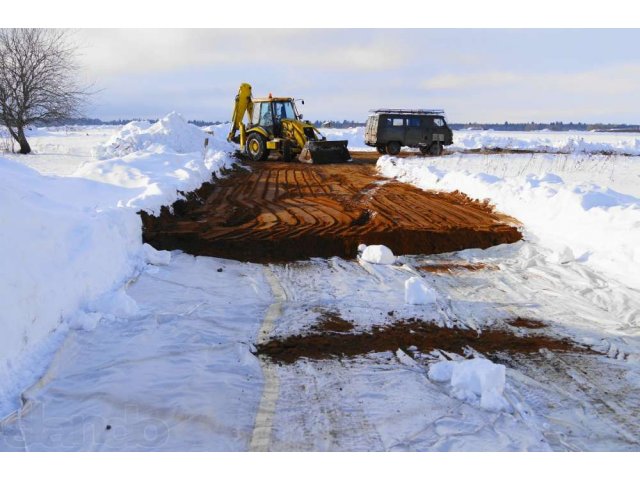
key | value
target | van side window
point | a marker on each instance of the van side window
(438, 121)
(397, 122)
(413, 122)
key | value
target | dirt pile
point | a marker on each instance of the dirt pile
(276, 211)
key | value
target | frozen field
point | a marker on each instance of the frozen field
(108, 344)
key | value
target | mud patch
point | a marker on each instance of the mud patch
(426, 336)
(527, 323)
(453, 267)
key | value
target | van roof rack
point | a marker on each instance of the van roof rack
(405, 111)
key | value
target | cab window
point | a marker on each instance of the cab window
(439, 122)
(283, 110)
(266, 119)
(255, 117)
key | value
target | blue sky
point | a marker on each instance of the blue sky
(479, 75)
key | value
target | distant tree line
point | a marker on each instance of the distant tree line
(120, 121)
(553, 126)
(506, 126)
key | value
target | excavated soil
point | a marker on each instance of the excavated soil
(425, 336)
(452, 267)
(275, 211)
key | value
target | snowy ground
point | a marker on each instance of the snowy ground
(166, 364)
(539, 141)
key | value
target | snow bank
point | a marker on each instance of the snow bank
(580, 221)
(417, 292)
(473, 380)
(57, 256)
(70, 243)
(555, 142)
(354, 135)
(171, 133)
(378, 254)
(156, 161)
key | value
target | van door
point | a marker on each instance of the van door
(394, 128)
(414, 132)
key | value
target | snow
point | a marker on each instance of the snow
(473, 380)
(378, 254)
(72, 237)
(575, 220)
(156, 257)
(417, 292)
(544, 141)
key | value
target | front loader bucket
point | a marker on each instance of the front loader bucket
(325, 151)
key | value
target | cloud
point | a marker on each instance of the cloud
(118, 51)
(620, 79)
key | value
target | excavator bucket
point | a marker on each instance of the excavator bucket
(325, 151)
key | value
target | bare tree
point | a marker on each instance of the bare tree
(38, 80)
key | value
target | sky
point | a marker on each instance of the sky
(475, 75)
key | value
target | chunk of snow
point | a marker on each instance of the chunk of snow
(417, 292)
(562, 254)
(474, 379)
(84, 320)
(378, 254)
(156, 257)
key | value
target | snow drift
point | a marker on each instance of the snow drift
(575, 221)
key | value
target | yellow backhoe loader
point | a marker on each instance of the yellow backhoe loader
(275, 126)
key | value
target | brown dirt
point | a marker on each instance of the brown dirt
(426, 336)
(452, 267)
(332, 322)
(291, 211)
(527, 323)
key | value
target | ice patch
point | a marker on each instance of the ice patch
(417, 292)
(473, 380)
(378, 254)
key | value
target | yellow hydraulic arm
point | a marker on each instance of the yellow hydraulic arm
(243, 104)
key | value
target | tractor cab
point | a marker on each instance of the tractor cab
(268, 113)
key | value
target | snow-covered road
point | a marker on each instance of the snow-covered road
(181, 376)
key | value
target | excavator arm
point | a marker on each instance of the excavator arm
(243, 104)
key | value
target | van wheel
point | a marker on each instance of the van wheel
(435, 149)
(424, 150)
(393, 148)
(257, 147)
(381, 150)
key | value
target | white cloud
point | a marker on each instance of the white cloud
(621, 79)
(117, 51)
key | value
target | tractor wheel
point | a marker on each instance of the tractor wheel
(435, 149)
(381, 150)
(257, 147)
(393, 148)
(425, 150)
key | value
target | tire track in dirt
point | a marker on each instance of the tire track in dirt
(274, 211)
